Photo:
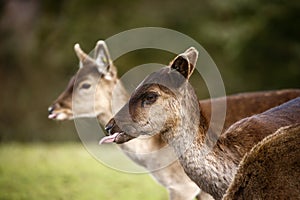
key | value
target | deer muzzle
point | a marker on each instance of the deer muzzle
(115, 134)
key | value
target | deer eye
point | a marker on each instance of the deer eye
(149, 98)
(85, 86)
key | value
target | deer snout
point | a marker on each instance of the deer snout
(51, 109)
(115, 134)
(111, 127)
(58, 112)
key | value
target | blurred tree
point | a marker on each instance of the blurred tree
(254, 43)
(270, 56)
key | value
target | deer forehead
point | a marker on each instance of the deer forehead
(87, 71)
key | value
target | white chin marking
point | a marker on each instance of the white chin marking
(58, 116)
(61, 116)
(51, 116)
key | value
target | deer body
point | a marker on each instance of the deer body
(271, 170)
(165, 103)
(239, 106)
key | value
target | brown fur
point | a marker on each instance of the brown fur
(243, 135)
(239, 106)
(174, 112)
(271, 170)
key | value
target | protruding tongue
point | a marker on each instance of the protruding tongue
(109, 139)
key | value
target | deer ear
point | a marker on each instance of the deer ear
(102, 56)
(185, 63)
(83, 57)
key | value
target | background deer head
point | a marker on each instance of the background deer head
(88, 93)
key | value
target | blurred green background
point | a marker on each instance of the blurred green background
(255, 44)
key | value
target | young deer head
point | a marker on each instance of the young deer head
(155, 106)
(89, 91)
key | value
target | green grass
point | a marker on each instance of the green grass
(67, 171)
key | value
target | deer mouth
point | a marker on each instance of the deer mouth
(115, 134)
(60, 116)
(118, 137)
(57, 116)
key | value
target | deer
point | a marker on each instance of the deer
(165, 104)
(271, 170)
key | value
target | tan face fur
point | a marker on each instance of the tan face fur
(89, 91)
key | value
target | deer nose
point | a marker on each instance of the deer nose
(51, 109)
(109, 126)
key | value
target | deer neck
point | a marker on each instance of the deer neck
(104, 117)
(210, 168)
(189, 125)
(118, 97)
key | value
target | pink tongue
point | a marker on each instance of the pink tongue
(109, 139)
